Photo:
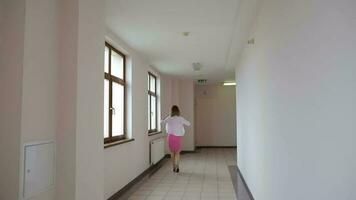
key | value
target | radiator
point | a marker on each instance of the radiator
(157, 150)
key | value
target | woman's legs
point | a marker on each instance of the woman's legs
(177, 159)
(174, 143)
(173, 158)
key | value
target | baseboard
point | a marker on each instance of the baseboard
(216, 146)
(185, 152)
(197, 149)
(151, 169)
(245, 184)
(182, 152)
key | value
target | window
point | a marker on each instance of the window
(152, 103)
(114, 95)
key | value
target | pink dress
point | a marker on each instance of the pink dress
(175, 130)
(174, 143)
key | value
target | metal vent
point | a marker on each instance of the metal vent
(202, 81)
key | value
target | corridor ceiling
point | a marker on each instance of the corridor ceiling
(173, 34)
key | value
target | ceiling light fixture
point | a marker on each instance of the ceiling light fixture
(229, 83)
(196, 66)
(185, 33)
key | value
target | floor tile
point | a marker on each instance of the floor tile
(203, 175)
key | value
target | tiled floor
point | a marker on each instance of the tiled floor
(204, 175)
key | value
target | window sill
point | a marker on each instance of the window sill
(118, 142)
(154, 133)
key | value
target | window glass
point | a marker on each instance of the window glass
(153, 112)
(117, 65)
(148, 83)
(152, 84)
(106, 108)
(106, 62)
(114, 95)
(152, 103)
(149, 112)
(117, 109)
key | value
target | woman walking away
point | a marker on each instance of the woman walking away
(175, 129)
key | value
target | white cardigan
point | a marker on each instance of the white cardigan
(175, 125)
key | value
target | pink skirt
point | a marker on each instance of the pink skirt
(174, 143)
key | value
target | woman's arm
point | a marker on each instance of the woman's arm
(185, 122)
(165, 119)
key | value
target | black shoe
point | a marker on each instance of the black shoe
(177, 170)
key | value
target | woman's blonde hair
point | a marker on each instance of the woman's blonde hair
(175, 111)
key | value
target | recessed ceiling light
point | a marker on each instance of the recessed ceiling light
(185, 33)
(196, 66)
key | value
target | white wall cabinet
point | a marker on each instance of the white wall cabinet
(39, 168)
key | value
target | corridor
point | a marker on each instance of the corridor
(259, 95)
(204, 175)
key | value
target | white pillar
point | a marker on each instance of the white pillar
(79, 137)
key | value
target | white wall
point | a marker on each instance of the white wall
(296, 101)
(12, 16)
(215, 115)
(80, 100)
(66, 100)
(186, 104)
(180, 92)
(28, 70)
(90, 100)
(119, 167)
(29, 78)
(38, 121)
(62, 99)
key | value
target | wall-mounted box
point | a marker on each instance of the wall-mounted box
(39, 168)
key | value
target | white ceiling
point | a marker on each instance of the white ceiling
(154, 29)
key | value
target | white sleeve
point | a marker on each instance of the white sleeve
(165, 120)
(185, 122)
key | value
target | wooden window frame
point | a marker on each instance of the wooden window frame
(154, 94)
(111, 78)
